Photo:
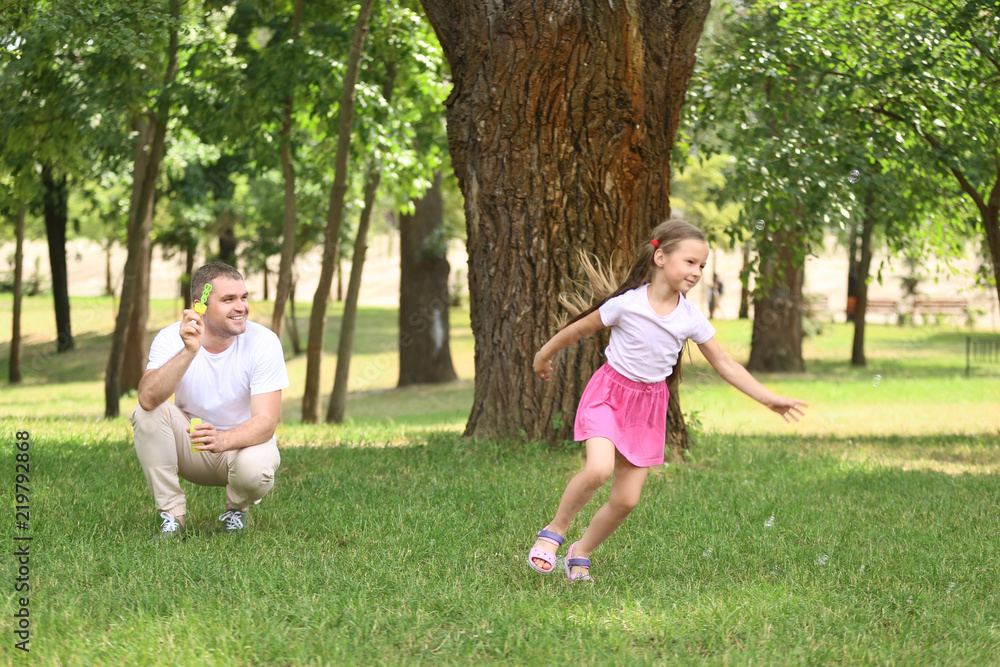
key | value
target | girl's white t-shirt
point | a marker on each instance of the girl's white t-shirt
(218, 387)
(644, 346)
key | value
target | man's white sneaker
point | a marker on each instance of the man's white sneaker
(233, 521)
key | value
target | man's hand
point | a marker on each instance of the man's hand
(192, 327)
(204, 438)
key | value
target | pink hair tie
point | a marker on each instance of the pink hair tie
(656, 244)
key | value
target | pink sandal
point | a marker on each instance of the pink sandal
(549, 557)
(576, 562)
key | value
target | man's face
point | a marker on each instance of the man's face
(228, 308)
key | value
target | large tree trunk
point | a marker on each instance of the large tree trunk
(14, 365)
(348, 324)
(776, 343)
(560, 127)
(331, 250)
(288, 174)
(424, 342)
(56, 217)
(112, 379)
(140, 223)
(863, 269)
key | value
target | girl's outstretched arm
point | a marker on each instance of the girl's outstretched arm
(739, 377)
(566, 337)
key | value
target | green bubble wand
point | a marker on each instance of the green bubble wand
(200, 307)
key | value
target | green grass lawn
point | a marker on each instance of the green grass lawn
(393, 540)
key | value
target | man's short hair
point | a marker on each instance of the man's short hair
(208, 273)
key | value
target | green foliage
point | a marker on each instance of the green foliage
(841, 111)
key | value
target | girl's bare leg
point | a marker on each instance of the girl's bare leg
(597, 469)
(625, 491)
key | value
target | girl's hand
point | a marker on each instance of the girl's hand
(788, 407)
(542, 366)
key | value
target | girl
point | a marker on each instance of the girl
(623, 411)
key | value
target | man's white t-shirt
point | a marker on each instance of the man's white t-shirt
(644, 346)
(218, 387)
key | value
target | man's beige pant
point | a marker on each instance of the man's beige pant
(164, 449)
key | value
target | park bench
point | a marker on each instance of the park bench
(939, 307)
(887, 307)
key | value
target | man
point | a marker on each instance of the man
(229, 373)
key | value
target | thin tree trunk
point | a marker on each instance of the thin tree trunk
(188, 274)
(109, 283)
(560, 125)
(744, 313)
(861, 285)
(288, 173)
(14, 366)
(112, 381)
(140, 223)
(56, 218)
(424, 348)
(345, 348)
(227, 235)
(317, 319)
(293, 325)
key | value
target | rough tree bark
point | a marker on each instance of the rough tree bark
(424, 347)
(14, 365)
(560, 127)
(56, 217)
(335, 213)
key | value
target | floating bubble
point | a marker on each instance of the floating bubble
(876, 380)
(821, 560)
(759, 225)
(861, 569)
(909, 600)
(854, 176)
(776, 569)
(951, 587)
(770, 522)
(870, 140)
(707, 553)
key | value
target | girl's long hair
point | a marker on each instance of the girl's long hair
(605, 281)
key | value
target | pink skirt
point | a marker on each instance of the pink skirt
(632, 415)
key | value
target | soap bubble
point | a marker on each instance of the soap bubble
(854, 176)
(876, 380)
(861, 569)
(707, 553)
(951, 587)
(770, 522)
(821, 560)
(759, 225)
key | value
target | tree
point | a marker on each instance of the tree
(424, 351)
(560, 129)
(338, 191)
(130, 295)
(834, 149)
